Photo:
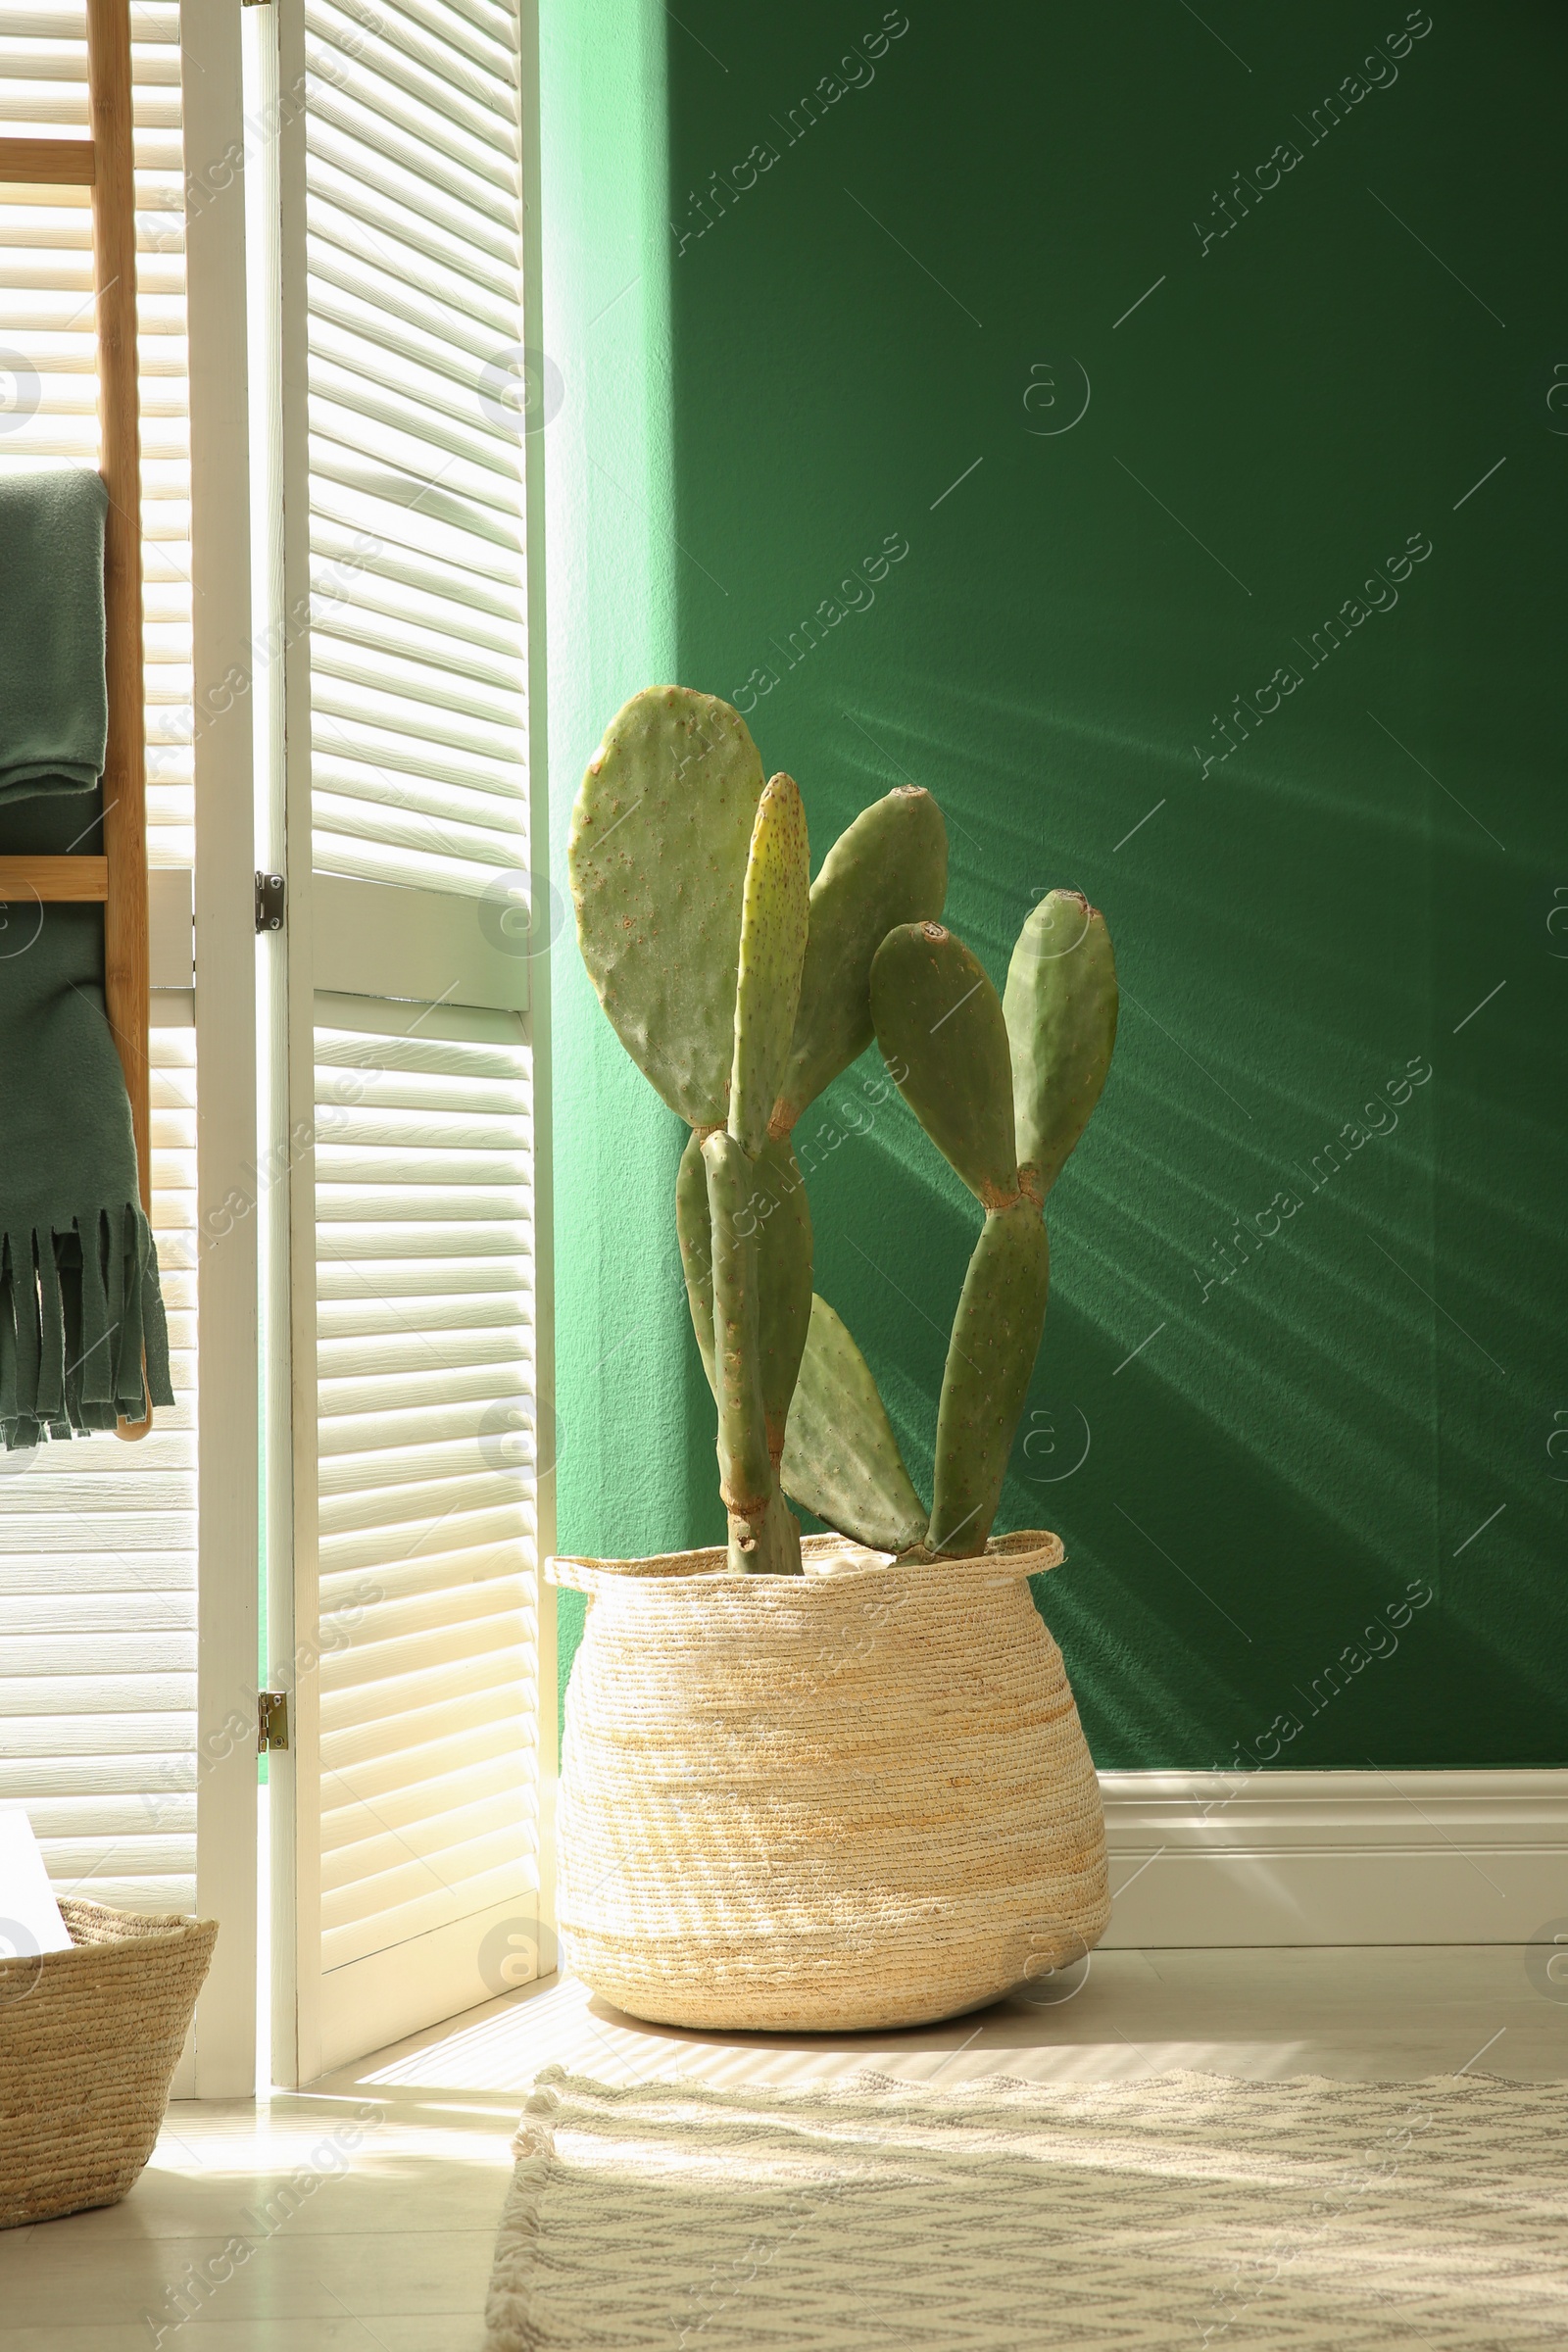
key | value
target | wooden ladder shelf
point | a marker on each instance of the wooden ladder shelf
(104, 163)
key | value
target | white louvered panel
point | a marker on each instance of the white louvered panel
(414, 234)
(426, 1477)
(48, 394)
(98, 1598)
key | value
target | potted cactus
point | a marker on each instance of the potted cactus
(837, 1782)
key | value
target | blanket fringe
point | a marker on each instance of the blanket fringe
(81, 1315)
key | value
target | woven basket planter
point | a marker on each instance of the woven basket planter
(90, 2041)
(855, 1798)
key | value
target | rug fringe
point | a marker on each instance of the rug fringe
(509, 2304)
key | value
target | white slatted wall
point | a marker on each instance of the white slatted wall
(427, 1465)
(97, 1538)
(98, 1596)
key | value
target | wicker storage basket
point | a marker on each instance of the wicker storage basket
(90, 2041)
(857, 1797)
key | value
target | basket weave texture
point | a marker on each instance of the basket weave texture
(859, 1798)
(90, 2041)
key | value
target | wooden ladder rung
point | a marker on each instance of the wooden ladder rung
(48, 162)
(58, 881)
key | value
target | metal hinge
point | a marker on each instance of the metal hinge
(271, 895)
(272, 1720)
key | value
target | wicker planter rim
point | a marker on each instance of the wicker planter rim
(828, 1560)
(100, 1930)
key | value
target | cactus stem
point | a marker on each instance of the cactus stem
(767, 1543)
(764, 1536)
(1000, 1196)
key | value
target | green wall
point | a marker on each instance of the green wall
(883, 327)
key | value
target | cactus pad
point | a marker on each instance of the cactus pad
(660, 836)
(939, 1019)
(1061, 1009)
(889, 866)
(746, 1470)
(695, 1229)
(775, 913)
(783, 1281)
(778, 1219)
(991, 1357)
(841, 1459)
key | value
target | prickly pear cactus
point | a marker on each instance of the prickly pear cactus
(740, 989)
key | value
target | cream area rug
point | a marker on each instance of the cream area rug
(1305, 2216)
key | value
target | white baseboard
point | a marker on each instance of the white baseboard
(1334, 1857)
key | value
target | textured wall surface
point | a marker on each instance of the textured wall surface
(1205, 372)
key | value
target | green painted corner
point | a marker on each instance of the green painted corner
(633, 1470)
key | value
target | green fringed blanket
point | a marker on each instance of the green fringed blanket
(54, 706)
(79, 1300)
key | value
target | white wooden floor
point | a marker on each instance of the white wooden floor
(362, 2213)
